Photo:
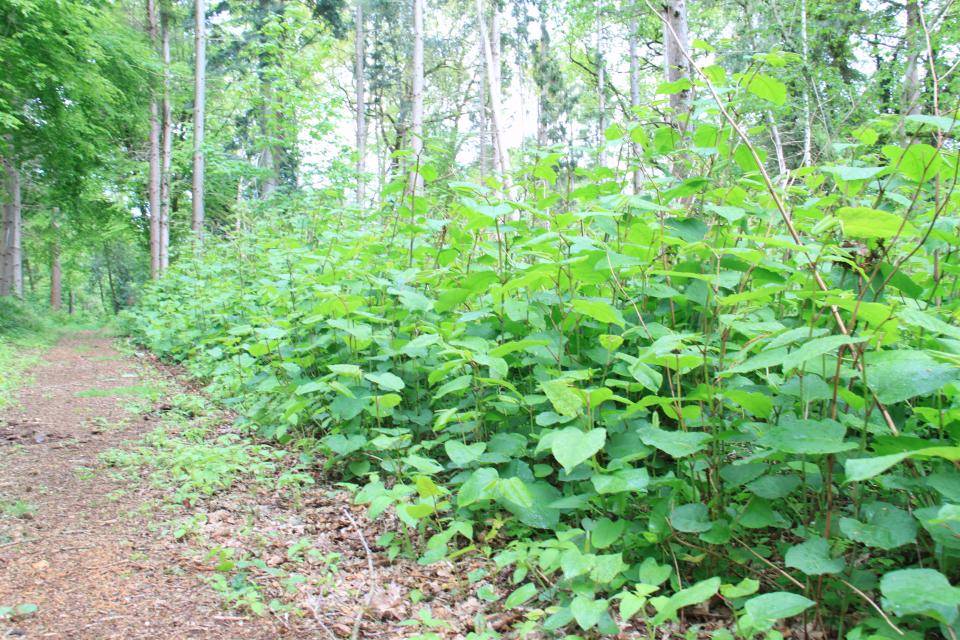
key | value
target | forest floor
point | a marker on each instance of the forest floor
(131, 509)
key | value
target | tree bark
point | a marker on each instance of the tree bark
(496, 76)
(601, 83)
(153, 183)
(199, 100)
(806, 157)
(494, 88)
(360, 52)
(675, 45)
(635, 97)
(911, 77)
(12, 282)
(56, 296)
(166, 157)
(416, 115)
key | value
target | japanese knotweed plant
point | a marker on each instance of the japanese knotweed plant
(723, 386)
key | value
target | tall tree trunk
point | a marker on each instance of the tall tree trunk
(911, 77)
(601, 83)
(416, 116)
(12, 283)
(675, 49)
(360, 53)
(806, 157)
(153, 184)
(199, 100)
(496, 76)
(635, 97)
(166, 158)
(496, 127)
(56, 297)
(482, 112)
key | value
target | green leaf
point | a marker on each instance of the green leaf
(599, 311)
(923, 592)
(767, 88)
(571, 446)
(918, 162)
(702, 591)
(691, 518)
(587, 611)
(864, 468)
(565, 400)
(385, 380)
(481, 485)
(746, 587)
(902, 374)
(816, 347)
(463, 454)
(515, 491)
(813, 558)
(872, 224)
(606, 531)
(766, 609)
(886, 527)
(678, 444)
(806, 437)
(521, 595)
(853, 173)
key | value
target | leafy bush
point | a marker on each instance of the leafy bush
(602, 388)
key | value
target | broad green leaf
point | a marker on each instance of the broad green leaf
(385, 380)
(872, 224)
(565, 399)
(806, 437)
(463, 454)
(571, 446)
(766, 609)
(853, 173)
(667, 608)
(886, 527)
(678, 444)
(481, 485)
(515, 491)
(922, 592)
(768, 88)
(691, 518)
(587, 611)
(813, 558)
(606, 531)
(857, 469)
(901, 374)
(519, 596)
(816, 347)
(599, 311)
(918, 162)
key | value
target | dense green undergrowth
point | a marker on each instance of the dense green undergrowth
(638, 402)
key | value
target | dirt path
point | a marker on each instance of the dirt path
(68, 542)
(93, 546)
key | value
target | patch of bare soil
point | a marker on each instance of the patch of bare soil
(95, 550)
(68, 543)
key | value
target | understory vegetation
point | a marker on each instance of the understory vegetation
(724, 390)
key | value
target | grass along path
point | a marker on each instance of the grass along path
(130, 509)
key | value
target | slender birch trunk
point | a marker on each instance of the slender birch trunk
(635, 97)
(360, 49)
(153, 184)
(601, 82)
(497, 79)
(56, 295)
(482, 111)
(199, 99)
(166, 153)
(911, 77)
(675, 44)
(416, 115)
(494, 88)
(806, 157)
